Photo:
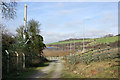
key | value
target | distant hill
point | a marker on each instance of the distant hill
(97, 40)
(73, 39)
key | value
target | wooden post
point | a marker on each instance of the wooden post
(17, 61)
(7, 61)
(23, 60)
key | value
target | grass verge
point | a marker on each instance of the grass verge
(26, 72)
(68, 74)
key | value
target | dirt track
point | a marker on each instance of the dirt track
(58, 71)
(54, 70)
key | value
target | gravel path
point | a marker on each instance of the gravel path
(55, 67)
(58, 71)
(44, 71)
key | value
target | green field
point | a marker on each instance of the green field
(107, 40)
(65, 42)
(97, 40)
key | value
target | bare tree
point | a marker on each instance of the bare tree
(8, 9)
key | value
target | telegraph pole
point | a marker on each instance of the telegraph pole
(84, 34)
(83, 37)
(25, 21)
(74, 46)
(70, 49)
(66, 48)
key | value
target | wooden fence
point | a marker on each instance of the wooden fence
(13, 62)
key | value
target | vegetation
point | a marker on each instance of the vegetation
(107, 39)
(102, 69)
(32, 47)
(65, 42)
(8, 9)
(97, 40)
(27, 72)
(93, 56)
(69, 74)
(33, 43)
(101, 55)
(99, 58)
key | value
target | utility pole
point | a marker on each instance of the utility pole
(63, 47)
(66, 48)
(25, 21)
(83, 37)
(70, 49)
(84, 33)
(74, 46)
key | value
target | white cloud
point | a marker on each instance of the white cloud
(50, 37)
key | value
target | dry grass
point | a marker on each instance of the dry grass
(54, 53)
(103, 69)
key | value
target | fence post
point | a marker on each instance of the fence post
(23, 60)
(99, 49)
(17, 61)
(7, 61)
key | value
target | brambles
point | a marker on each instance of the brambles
(94, 56)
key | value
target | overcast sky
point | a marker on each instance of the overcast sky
(63, 20)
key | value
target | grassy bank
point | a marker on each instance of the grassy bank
(68, 74)
(26, 72)
(103, 69)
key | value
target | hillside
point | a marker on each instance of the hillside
(97, 40)
(99, 58)
(76, 46)
(100, 61)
